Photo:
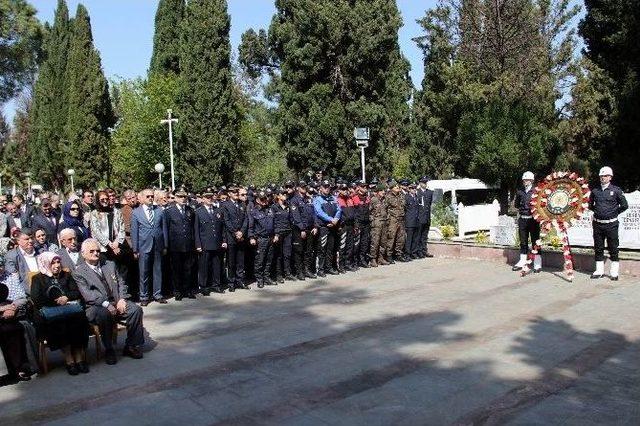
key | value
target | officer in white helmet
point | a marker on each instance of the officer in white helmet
(607, 202)
(528, 227)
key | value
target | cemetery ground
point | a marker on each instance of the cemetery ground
(435, 341)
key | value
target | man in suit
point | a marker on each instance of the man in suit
(22, 259)
(210, 242)
(411, 221)
(149, 235)
(181, 244)
(425, 199)
(23, 211)
(69, 254)
(105, 295)
(234, 211)
(47, 221)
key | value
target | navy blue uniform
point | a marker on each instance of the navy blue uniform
(411, 224)
(181, 246)
(260, 228)
(606, 205)
(235, 220)
(282, 248)
(303, 221)
(209, 237)
(527, 225)
(425, 199)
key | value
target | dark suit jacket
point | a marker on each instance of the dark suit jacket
(145, 236)
(50, 228)
(411, 211)
(235, 218)
(181, 229)
(94, 289)
(425, 199)
(209, 229)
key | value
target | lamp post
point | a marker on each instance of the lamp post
(159, 168)
(71, 172)
(28, 176)
(170, 122)
(362, 141)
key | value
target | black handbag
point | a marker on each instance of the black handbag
(52, 313)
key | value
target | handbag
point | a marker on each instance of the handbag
(53, 313)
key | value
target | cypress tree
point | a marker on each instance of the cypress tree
(50, 103)
(209, 113)
(90, 113)
(340, 67)
(166, 40)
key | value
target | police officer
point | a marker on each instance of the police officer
(607, 202)
(394, 202)
(411, 221)
(346, 231)
(210, 244)
(261, 236)
(282, 247)
(236, 223)
(425, 199)
(328, 214)
(303, 230)
(379, 222)
(181, 245)
(528, 227)
(361, 202)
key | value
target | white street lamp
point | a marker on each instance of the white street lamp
(170, 121)
(71, 172)
(159, 168)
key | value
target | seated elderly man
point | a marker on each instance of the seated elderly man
(23, 259)
(69, 251)
(105, 295)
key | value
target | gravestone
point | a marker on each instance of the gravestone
(505, 232)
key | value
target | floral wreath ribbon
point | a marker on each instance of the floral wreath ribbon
(558, 202)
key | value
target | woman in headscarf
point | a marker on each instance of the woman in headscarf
(72, 218)
(13, 341)
(60, 316)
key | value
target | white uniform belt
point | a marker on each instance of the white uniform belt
(526, 217)
(606, 220)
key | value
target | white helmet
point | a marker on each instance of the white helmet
(528, 176)
(606, 171)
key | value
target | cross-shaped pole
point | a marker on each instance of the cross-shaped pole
(170, 121)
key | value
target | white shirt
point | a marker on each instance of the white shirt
(32, 263)
(604, 187)
(528, 188)
(18, 222)
(73, 255)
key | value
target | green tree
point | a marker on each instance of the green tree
(20, 42)
(208, 110)
(90, 113)
(50, 103)
(610, 29)
(139, 140)
(335, 65)
(166, 40)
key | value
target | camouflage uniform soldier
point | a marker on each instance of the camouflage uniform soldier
(394, 202)
(378, 214)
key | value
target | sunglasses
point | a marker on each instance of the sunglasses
(148, 196)
(94, 251)
(74, 209)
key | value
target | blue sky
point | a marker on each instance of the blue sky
(123, 30)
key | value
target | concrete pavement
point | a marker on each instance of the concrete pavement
(435, 341)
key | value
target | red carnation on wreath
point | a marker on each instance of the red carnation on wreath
(559, 201)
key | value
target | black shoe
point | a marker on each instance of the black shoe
(280, 280)
(144, 303)
(178, 297)
(269, 281)
(110, 357)
(132, 352)
(72, 370)
(191, 296)
(162, 301)
(333, 272)
(516, 268)
(614, 278)
(321, 275)
(232, 288)
(205, 292)
(428, 255)
(310, 275)
(364, 265)
(403, 259)
(300, 277)
(289, 277)
(596, 276)
(391, 261)
(260, 284)
(217, 290)
(537, 271)
(83, 367)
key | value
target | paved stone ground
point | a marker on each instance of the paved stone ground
(437, 341)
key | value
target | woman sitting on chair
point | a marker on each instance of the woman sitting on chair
(59, 315)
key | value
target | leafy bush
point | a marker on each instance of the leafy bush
(448, 231)
(481, 238)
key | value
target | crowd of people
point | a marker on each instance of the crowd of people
(87, 258)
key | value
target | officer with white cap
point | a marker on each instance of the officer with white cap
(607, 202)
(527, 225)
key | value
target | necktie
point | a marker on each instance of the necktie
(151, 215)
